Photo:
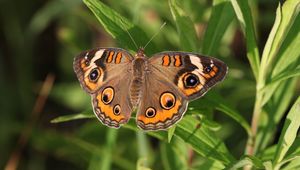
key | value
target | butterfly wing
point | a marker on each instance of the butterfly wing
(162, 105)
(193, 74)
(104, 73)
(173, 79)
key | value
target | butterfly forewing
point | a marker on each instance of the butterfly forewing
(192, 73)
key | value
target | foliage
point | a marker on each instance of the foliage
(215, 133)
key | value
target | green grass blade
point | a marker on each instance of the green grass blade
(83, 115)
(202, 140)
(221, 16)
(273, 113)
(244, 15)
(287, 58)
(220, 105)
(198, 136)
(171, 133)
(111, 138)
(294, 150)
(289, 132)
(141, 164)
(281, 77)
(116, 25)
(50, 11)
(294, 164)
(246, 161)
(185, 28)
(174, 156)
(285, 17)
(288, 55)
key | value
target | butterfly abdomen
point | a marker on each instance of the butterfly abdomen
(136, 90)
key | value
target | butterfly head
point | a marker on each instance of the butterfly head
(140, 53)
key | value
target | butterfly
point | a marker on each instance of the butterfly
(159, 88)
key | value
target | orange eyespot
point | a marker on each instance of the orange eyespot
(117, 109)
(94, 75)
(150, 112)
(167, 100)
(107, 95)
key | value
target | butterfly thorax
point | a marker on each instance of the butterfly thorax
(139, 67)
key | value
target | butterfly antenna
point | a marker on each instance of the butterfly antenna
(132, 39)
(155, 34)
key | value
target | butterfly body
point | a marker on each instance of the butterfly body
(159, 88)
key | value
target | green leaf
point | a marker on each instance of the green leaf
(247, 161)
(220, 105)
(281, 77)
(285, 17)
(273, 113)
(174, 156)
(294, 164)
(83, 115)
(116, 26)
(171, 133)
(287, 56)
(106, 157)
(289, 132)
(221, 16)
(70, 95)
(51, 10)
(244, 15)
(185, 27)
(141, 164)
(202, 140)
(293, 152)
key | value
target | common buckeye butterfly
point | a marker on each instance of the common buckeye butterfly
(159, 87)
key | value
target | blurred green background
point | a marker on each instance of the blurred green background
(38, 41)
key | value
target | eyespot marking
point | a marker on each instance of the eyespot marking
(150, 112)
(107, 95)
(167, 100)
(207, 69)
(190, 80)
(117, 109)
(94, 75)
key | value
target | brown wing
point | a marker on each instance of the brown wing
(111, 102)
(191, 73)
(94, 67)
(172, 80)
(105, 74)
(162, 105)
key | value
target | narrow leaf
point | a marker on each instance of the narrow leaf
(84, 115)
(116, 26)
(247, 161)
(289, 132)
(221, 16)
(202, 140)
(244, 15)
(185, 27)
